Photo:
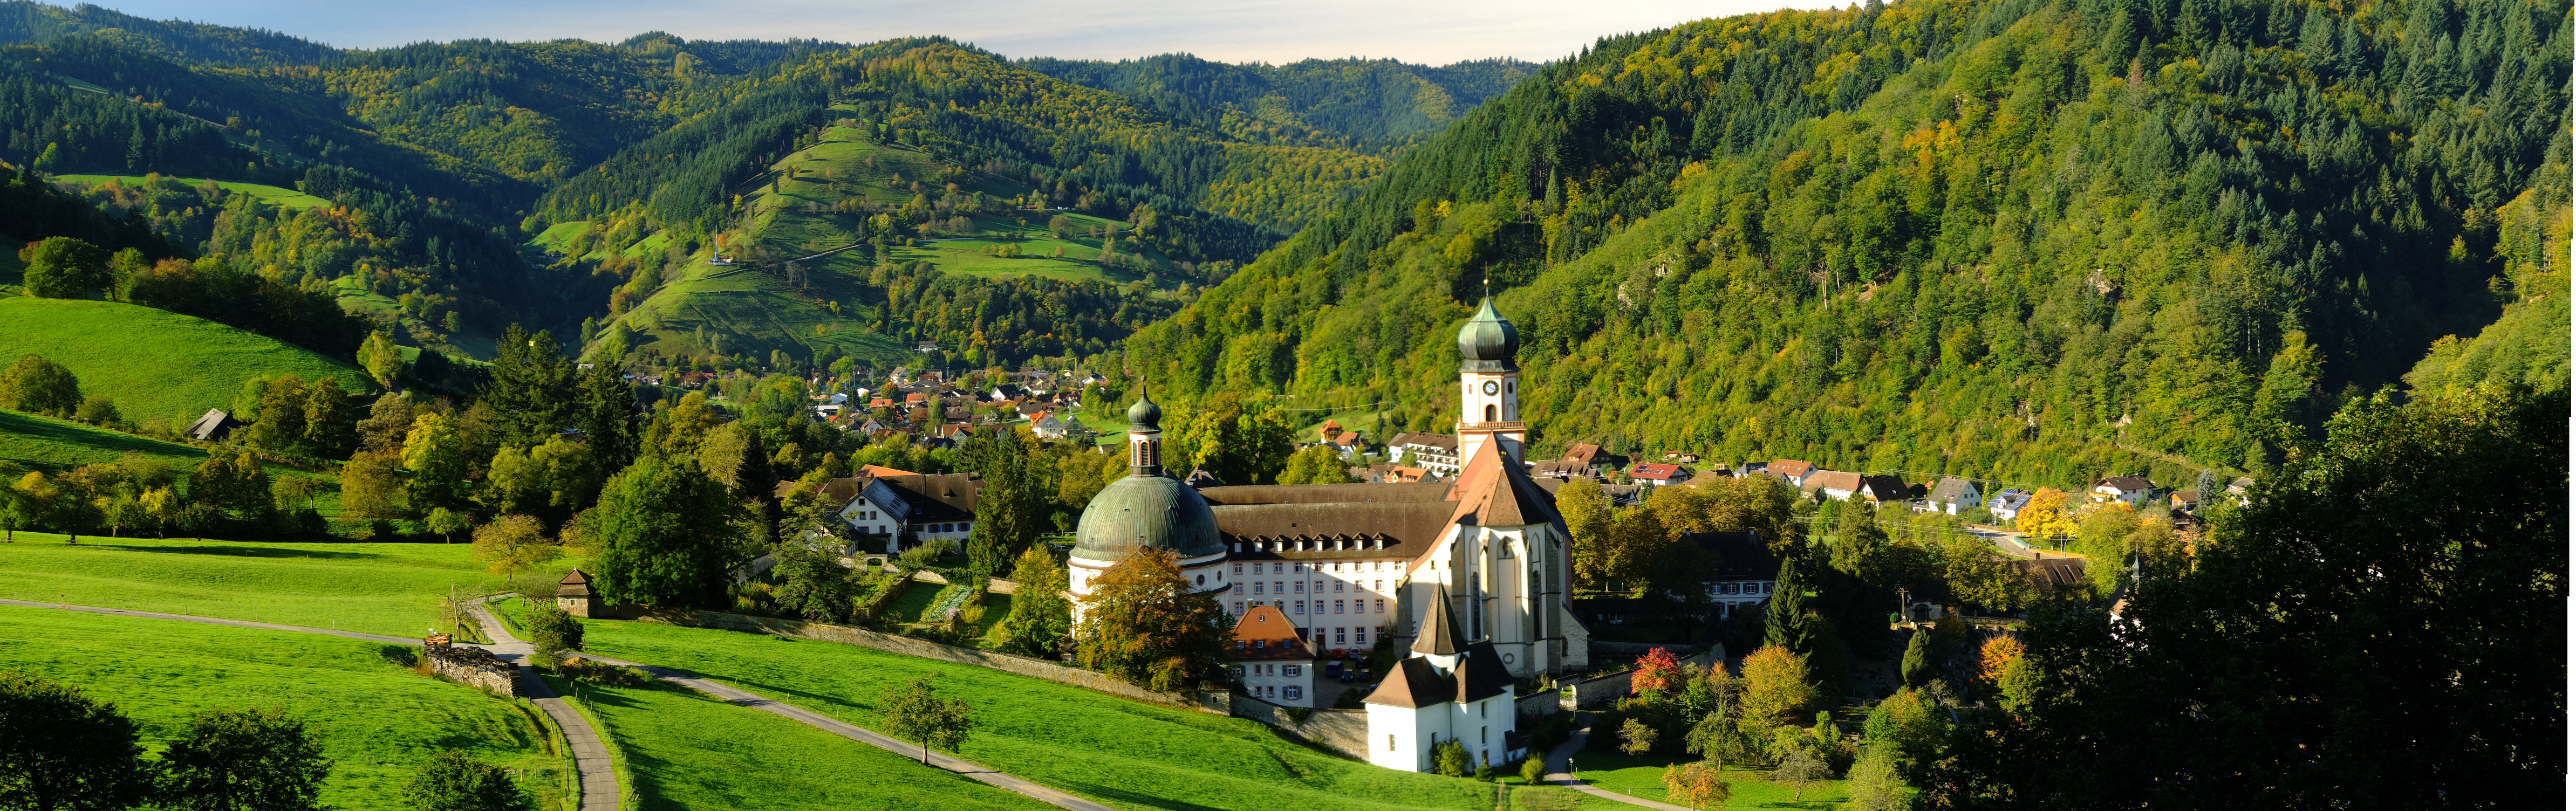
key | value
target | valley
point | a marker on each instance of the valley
(1963, 404)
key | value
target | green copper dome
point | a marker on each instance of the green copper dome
(1146, 512)
(1144, 415)
(1488, 343)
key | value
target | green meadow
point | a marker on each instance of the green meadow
(378, 588)
(1643, 777)
(50, 444)
(273, 195)
(155, 363)
(1125, 753)
(688, 751)
(377, 719)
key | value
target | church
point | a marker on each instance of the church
(1477, 567)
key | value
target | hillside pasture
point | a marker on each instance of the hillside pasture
(1114, 750)
(273, 195)
(376, 718)
(688, 751)
(377, 588)
(156, 363)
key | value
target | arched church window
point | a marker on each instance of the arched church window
(1490, 413)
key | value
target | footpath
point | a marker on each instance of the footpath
(1560, 770)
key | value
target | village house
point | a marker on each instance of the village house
(2007, 505)
(1883, 489)
(1953, 494)
(1659, 474)
(1828, 484)
(2131, 489)
(1447, 690)
(1437, 453)
(915, 507)
(1743, 573)
(1796, 471)
(1272, 660)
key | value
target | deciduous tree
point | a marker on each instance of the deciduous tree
(1696, 785)
(665, 535)
(245, 760)
(454, 781)
(1142, 624)
(916, 712)
(64, 751)
(39, 386)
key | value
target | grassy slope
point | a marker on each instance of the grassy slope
(272, 195)
(45, 443)
(51, 444)
(155, 363)
(1644, 777)
(377, 720)
(690, 751)
(1123, 752)
(756, 312)
(389, 589)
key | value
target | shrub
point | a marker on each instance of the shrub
(231, 759)
(1449, 758)
(605, 675)
(552, 629)
(455, 781)
(1533, 770)
(66, 749)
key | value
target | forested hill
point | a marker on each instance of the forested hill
(2009, 238)
(25, 21)
(1377, 106)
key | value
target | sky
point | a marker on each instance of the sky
(1433, 32)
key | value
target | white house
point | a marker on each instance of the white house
(2132, 489)
(1953, 494)
(1743, 572)
(1833, 484)
(923, 506)
(1437, 453)
(2007, 505)
(1446, 691)
(1272, 659)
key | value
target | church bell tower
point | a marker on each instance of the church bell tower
(1489, 386)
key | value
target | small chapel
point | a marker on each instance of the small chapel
(1470, 576)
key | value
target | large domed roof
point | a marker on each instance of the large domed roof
(1147, 512)
(1488, 343)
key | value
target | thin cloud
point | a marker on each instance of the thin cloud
(1243, 31)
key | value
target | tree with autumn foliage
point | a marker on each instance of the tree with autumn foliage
(2048, 515)
(1142, 624)
(1696, 785)
(1659, 673)
(1776, 686)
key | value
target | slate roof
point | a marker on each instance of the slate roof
(936, 496)
(1325, 493)
(216, 424)
(2052, 572)
(1950, 489)
(1411, 683)
(1439, 636)
(1481, 674)
(1884, 488)
(1362, 530)
(1736, 555)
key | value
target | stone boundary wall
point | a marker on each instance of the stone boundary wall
(1597, 693)
(1346, 731)
(1541, 705)
(474, 667)
(926, 649)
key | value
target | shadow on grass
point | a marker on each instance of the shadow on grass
(28, 425)
(240, 551)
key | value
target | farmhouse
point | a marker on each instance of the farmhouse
(1272, 660)
(2131, 489)
(1744, 573)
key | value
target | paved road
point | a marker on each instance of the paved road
(939, 759)
(599, 788)
(598, 781)
(1560, 770)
